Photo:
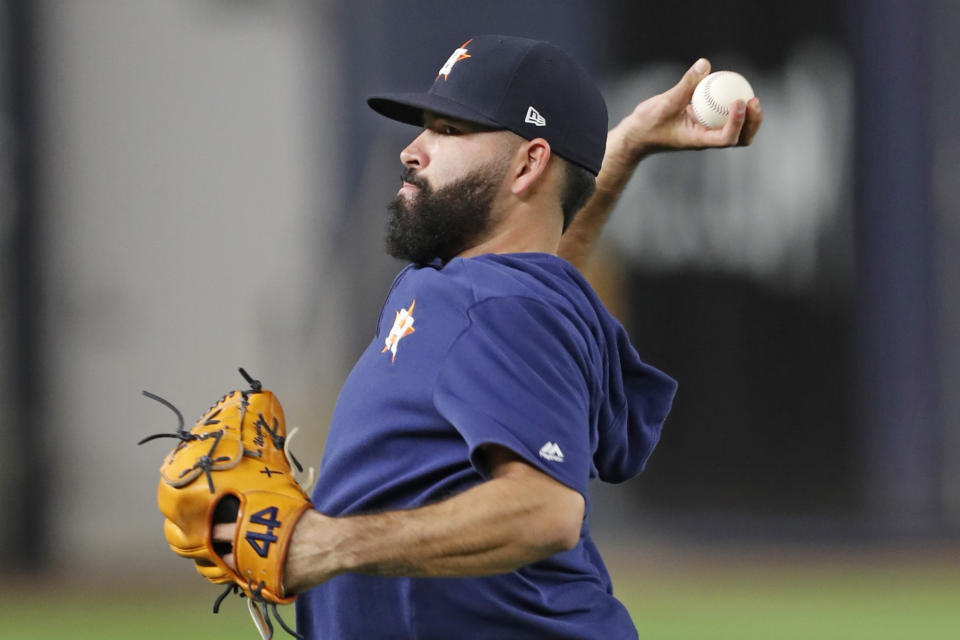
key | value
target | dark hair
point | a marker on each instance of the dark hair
(578, 186)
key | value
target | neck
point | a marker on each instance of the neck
(508, 243)
(524, 230)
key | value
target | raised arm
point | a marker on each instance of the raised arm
(664, 122)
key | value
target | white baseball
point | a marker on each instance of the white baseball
(712, 97)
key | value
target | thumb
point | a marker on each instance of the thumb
(682, 92)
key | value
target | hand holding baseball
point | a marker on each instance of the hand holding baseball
(668, 122)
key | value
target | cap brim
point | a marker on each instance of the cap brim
(409, 108)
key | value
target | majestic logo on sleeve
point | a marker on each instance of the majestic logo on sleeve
(458, 54)
(551, 451)
(402, 327)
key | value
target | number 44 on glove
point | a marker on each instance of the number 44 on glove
(235, 465)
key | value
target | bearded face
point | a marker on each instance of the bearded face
(442, 223)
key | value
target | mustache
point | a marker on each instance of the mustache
(408, 175)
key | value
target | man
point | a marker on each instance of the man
(452, 497)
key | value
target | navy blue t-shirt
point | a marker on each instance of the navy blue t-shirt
(510, 349)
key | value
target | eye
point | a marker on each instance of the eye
(448, 130)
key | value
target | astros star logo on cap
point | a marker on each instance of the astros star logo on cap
(458, 54)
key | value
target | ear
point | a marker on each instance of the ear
(532, 159)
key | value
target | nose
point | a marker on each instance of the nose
(414, 156)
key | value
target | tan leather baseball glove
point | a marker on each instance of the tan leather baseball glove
(234, 465)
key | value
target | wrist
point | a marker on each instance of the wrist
(312, 556)
(625, 146)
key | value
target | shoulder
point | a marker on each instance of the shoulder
(535, 276)
(496, 275)
(532, 299)
(509, 288)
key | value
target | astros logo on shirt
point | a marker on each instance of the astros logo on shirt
(402, 327)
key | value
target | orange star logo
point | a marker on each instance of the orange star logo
(459, 54)
(402, 327)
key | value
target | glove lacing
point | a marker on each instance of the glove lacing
(260, 610)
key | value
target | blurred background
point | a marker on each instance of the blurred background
(189, 186)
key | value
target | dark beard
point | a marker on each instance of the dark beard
(442, 223)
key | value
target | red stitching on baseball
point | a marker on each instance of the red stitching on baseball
(716, 106)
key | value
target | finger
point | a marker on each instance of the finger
(229, 560)
(224, 532)
(730, 133)
(682, 92)
(752, 123)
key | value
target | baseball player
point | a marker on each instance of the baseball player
(453, 493)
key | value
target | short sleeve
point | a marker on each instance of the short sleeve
(517, 376)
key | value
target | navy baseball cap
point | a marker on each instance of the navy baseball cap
(529, 87)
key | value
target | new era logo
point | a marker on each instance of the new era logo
(534, 117)
(551, 451)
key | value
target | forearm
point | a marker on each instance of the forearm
(495, 527)
(619, 163)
